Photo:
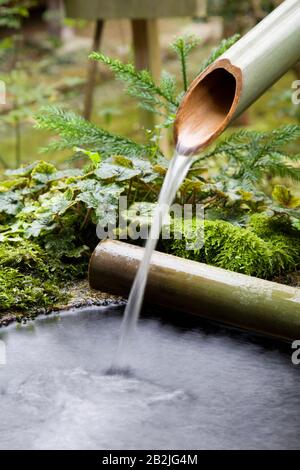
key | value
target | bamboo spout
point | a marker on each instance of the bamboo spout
(240, 76)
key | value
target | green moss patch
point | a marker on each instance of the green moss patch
(31, 279)
(266, 248)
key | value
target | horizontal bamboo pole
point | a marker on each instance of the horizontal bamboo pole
(137, 9)
(235, 80)
(197, 288)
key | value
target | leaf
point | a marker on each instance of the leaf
(106, 212)
(68, 173)
(191, 185)
(105, 201)
(284, 197)
(42, 224)
(65, 245)
(77, 252)
(22, 171)
(296, 224)
(92, 199)
(110, 169)
(145, 168)
(11, 202)
(42, 172)
(57, 203)
(140, 213)
(12, 184)
(160, 170)
(93, 156)
(87, 185)
(95, 194)
(283, 135)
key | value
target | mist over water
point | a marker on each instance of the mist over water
(177, 171)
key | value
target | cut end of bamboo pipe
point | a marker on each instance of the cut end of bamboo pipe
(241, 75)
(208, 107)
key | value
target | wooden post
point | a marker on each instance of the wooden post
(147, 55)
(55, 17)
(92, 71)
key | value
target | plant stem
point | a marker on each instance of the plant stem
(87, 215)
(18, 142)
(183, 68)
(129, 189)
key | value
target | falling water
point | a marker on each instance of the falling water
(176, 173)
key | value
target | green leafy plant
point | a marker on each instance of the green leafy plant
(250, 160)
(51, 214)
(250, 155)
(24, 100)
(183, 46)
(74, 131)
(163, 98)
(228, 179)
(11, 13)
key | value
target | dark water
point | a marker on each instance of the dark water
(191, 386)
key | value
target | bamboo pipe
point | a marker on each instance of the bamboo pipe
(197, 288)
(234, 81)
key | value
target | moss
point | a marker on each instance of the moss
(258, 250)
(30, 279)
(265, 226)
(21, 292)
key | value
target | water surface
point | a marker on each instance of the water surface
(191, 386)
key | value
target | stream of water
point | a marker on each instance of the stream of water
(177, 171)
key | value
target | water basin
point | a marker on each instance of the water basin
(192, 385)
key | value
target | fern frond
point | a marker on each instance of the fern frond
(282, 136)
(73, 131)
(168, 86)
(251, 155)
(183, 46)
(140, 84)
(279, 168)
(224, 45)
